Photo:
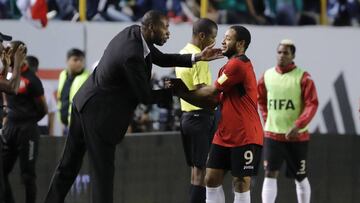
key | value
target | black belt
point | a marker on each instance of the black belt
(200, 111)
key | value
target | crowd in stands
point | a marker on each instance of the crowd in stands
(261, 12)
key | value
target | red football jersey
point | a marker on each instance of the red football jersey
(240, 122)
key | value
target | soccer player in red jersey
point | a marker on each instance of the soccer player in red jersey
(237, 143)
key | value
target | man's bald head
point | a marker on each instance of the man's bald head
(152, 18)
(155, 27)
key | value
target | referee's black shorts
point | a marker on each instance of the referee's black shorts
(197, 129)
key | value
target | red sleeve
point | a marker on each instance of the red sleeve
(262, 97)
(233, 74)
(310, 98)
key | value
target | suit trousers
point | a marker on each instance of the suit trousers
(86, 135)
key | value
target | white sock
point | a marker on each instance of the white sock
(221, 195)
(269, 190)
(303, 191)
(215, 195)
(243, 197)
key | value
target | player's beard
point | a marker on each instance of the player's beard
(230, 52)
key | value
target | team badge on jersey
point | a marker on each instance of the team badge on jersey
(222, 79)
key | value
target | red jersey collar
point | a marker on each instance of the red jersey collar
(285, 69)
(24, 68)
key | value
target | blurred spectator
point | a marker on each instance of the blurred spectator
(284, 12)
(115, 10)
(70, 8)
(354, 9)
(141, 121)
(175, 11)
(142, 6)
(66, 9)
(344, 12)
(46, 124)
(232, 11)
(310, 14)
(92, 7)
(194, 7)
(259, 6)
(260, 12)
(70, 81)
(3, 9)
(172, 8)
(239, 11)
(339, 13)
(9, 9)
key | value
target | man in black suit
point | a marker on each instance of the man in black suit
(104, 105)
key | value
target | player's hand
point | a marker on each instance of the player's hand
(20, 53)
(6, 56)
(293, 133)
(176, 84)
(209, 53)
(167, 83)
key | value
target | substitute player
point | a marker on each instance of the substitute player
(10, 86)
(288, 101)
(238, 140)
(20, 134)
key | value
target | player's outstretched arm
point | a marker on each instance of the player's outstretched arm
(204, 97)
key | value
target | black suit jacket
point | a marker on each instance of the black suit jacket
(122, 77)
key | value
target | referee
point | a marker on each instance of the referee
(237, 142)
(197, 123)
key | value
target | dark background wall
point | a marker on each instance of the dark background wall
(151, 169)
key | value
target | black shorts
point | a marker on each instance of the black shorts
(21, 140)
(197, 133)
(241, 161)
(293, 153)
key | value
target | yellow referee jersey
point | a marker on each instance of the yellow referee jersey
(198, 74)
